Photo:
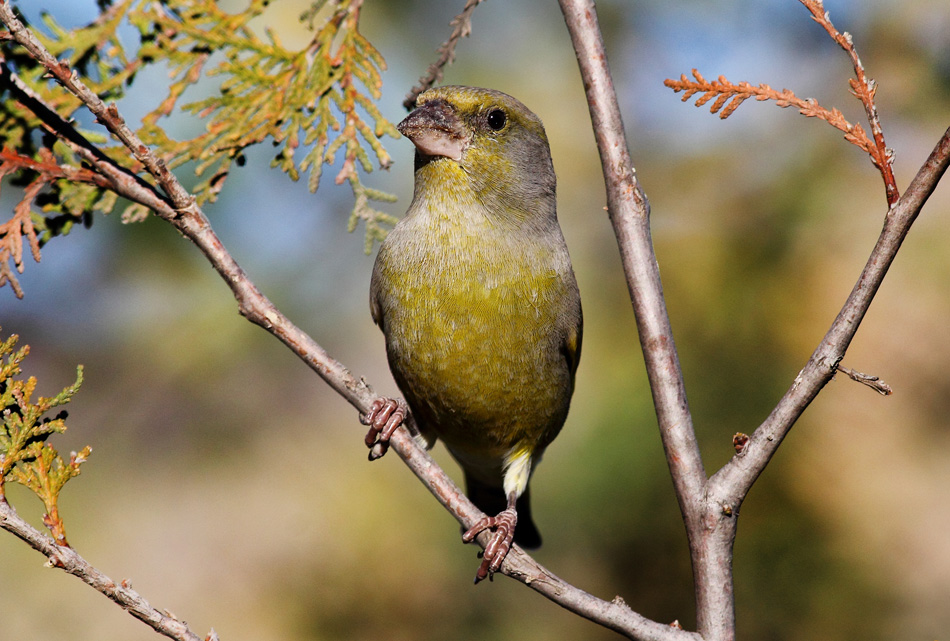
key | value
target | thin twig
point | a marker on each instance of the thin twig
(462, 28)
(68, 560)
(864, 88)
(874, 382)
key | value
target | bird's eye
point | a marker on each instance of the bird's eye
(497, 119)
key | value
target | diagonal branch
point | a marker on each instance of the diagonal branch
(179, 209)
(733, 481)
(462, 28)
(68, 560)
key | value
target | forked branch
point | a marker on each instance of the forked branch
(710, 508)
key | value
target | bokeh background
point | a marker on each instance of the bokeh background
(231, 486)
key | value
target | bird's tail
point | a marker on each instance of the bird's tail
(491, 500)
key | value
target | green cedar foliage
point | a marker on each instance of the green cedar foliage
(313, 105)
(25, 455)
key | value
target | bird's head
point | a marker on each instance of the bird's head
(487, 138)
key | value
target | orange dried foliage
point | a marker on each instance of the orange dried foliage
(727, 97)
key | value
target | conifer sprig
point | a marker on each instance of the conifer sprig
(726, 97)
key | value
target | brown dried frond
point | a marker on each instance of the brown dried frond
(728, 96)
(863, 89)
(21, 226)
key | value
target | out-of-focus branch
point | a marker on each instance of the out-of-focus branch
(461, 28)
(67, 559)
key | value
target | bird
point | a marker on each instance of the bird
(476, 297)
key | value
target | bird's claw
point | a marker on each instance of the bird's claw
(497, 549)
(384, 416)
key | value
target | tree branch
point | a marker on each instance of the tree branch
(67, 559)
(710, 545)
(629, 213)
(733, 481)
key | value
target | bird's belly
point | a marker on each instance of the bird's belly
(480, 365)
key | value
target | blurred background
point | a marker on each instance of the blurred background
(231, 486)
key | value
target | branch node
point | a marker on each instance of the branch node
(739, 441)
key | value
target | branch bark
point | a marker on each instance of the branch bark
(629, 213)
(709, 507)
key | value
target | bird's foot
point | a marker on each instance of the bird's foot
(497, 549)
(385, 415)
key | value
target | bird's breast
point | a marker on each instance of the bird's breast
(471, 317)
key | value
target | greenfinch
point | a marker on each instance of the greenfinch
(476, 297)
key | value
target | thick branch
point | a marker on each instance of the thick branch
(67, 559)
(733, 481)
(629, 213)
(710, 527)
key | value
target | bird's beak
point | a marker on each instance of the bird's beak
(436, 130)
